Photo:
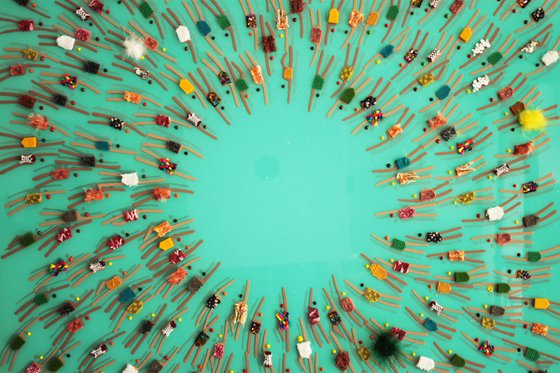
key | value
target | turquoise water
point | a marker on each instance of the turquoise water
(286, 198)
(298, 193)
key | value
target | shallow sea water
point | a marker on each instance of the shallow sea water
(286, 198)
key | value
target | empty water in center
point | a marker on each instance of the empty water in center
(280, 190)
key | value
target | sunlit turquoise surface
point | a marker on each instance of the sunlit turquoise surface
(286, 198)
